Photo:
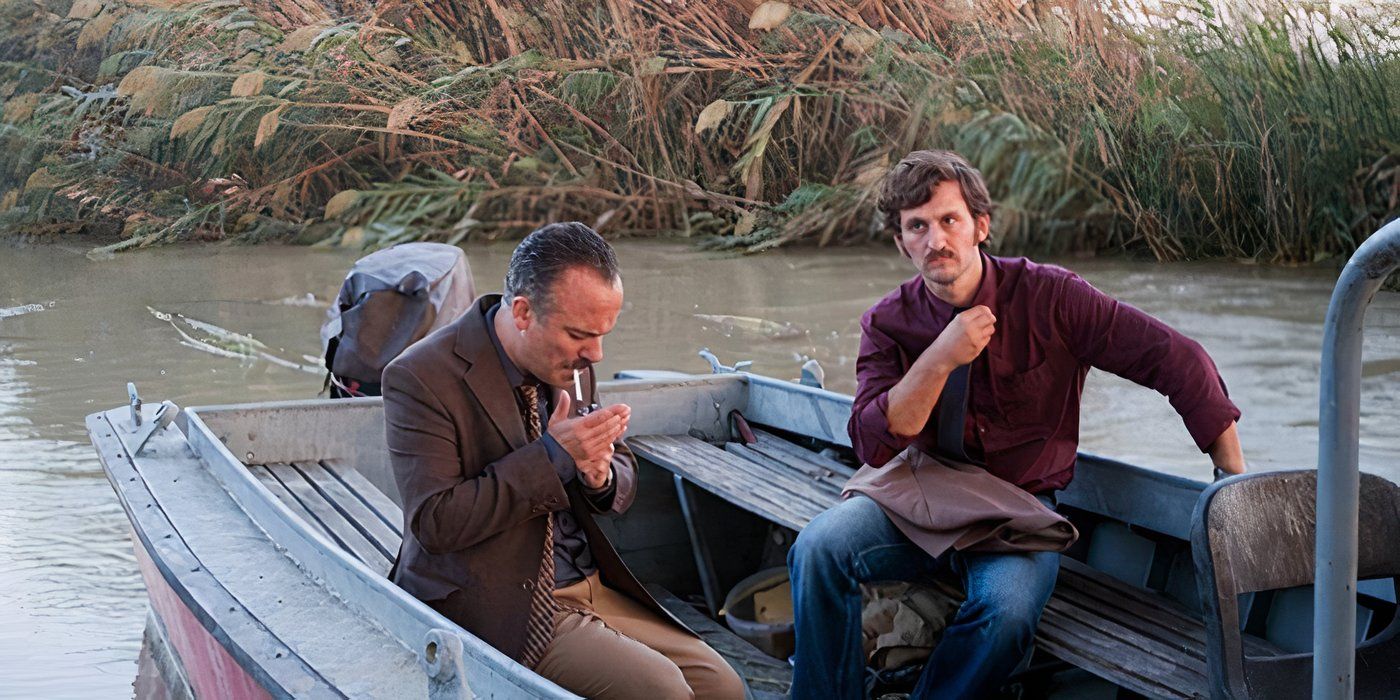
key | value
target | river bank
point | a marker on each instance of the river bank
(1258, 131)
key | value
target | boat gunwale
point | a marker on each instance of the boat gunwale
(814, 417)
(347, 578)
(169, 546)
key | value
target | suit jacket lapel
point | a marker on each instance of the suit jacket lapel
(485, 376)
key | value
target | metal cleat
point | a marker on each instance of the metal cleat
(718, 368)
(140, 430)
(135, 400)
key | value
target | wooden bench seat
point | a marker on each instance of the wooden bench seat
(1133, 637)
(347, 509)
(767, 488)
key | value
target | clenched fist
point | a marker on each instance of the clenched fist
(965, 336)
(589, 439)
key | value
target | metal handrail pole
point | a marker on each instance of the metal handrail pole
(1338, 477)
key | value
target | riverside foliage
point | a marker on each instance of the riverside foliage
(1269, 132)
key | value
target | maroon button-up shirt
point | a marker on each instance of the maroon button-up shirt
(1024, 389)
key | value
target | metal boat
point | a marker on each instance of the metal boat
(264, 533)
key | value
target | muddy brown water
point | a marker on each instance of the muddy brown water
(73, 331)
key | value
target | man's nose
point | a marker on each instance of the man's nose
(592, 351)
(936, 240)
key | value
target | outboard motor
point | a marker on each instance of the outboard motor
(389, 300)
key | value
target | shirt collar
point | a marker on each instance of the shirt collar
(514, 376)
(987, 291)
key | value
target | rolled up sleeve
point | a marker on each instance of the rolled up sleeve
(880, 365)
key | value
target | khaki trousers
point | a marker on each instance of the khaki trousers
(607, 645)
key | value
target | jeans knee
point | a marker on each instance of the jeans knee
(833, 536)
(1011, 589)
(1010, 619)
(806, 557)
(815, 550)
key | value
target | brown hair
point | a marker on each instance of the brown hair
(911, 182)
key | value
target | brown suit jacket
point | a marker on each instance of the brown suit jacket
(476, 495)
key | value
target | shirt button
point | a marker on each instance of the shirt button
(526, 585)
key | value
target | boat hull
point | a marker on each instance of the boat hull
(204, 663)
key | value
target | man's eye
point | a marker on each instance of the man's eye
(950, 220)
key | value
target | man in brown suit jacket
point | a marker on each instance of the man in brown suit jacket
(501, 475)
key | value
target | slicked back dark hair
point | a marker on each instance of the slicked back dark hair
(545, 254)
(910, 183)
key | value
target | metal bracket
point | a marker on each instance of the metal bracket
(718, 368)
(441, 659)
(135, 402)
(700, 547)
(139, 431)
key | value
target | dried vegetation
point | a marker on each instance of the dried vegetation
(1271, 133)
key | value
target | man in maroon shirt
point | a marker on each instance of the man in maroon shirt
(976, 360)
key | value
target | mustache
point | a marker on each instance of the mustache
(940, 253)
(580, 364)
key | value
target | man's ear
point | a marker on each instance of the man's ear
(984, 228)
(522, 313)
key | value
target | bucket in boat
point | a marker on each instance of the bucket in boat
(759, 610)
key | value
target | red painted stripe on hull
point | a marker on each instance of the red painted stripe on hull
(210, 670)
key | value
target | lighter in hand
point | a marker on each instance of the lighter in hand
(580, 407)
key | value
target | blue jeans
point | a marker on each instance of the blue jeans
(853, 543)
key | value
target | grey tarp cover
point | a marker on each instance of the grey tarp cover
(390, 299)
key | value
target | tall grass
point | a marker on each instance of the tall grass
(1302, 155)
(1267, 133)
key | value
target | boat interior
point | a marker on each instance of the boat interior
(732, 466)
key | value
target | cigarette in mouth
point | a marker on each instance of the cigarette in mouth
(578, 389)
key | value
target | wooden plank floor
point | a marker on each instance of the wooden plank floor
(1144, 642)
(324, 513)
(367, 493)
(767, 677)
(352, 508)
(341, 505)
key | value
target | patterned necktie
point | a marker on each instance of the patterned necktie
(539, 632)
